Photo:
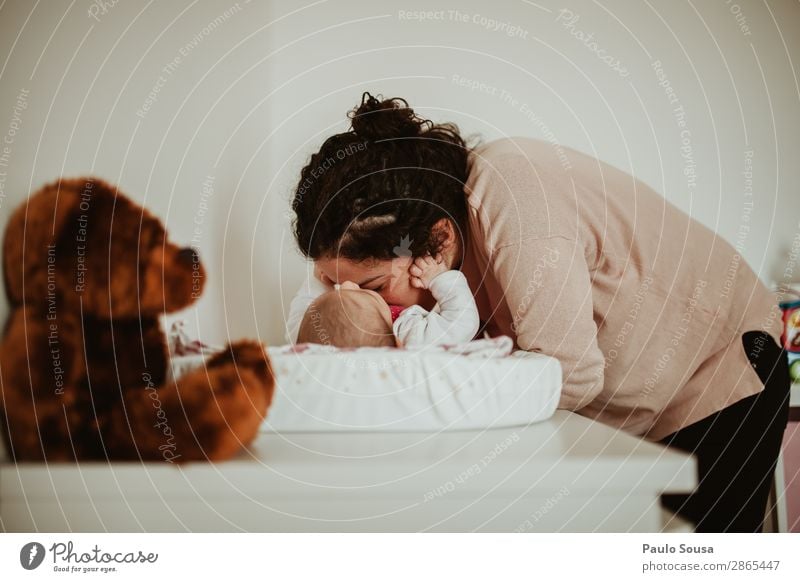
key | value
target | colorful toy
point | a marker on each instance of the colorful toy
(791, 336)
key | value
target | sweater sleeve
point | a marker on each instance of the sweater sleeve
(549, 294)
(457, 319)
(309, 290)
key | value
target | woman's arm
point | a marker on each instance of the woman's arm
(548, 290)
(527, 224)
(456, 322)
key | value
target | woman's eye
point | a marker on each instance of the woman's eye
(379, 288)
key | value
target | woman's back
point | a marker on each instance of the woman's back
(642, 305)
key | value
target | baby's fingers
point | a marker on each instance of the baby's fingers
(417, 282)
(425, 262)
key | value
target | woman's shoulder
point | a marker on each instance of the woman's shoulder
(517, 159)
(516, 189)
(515, 164)
(517, 149)
(511, 154)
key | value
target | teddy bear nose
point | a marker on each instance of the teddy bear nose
(188, 255)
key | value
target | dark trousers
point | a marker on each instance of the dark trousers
(737, 448)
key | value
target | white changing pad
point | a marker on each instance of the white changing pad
(385, 389)
(325, 389)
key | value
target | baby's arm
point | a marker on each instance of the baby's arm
(457, 320)
(309, 290)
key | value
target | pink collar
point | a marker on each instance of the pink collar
(395, 310)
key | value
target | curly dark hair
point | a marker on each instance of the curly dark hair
(383, 183)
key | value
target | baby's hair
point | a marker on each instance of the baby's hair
(347, 318)
(390, 177)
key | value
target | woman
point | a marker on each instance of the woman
(646, 309)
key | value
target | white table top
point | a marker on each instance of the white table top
(564, 474)
(566, 450)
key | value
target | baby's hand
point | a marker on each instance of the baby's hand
(425, 269)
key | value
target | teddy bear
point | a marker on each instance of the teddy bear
(84, 361)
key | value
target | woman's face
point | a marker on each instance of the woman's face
(389, 278)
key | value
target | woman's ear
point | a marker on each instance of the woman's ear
(444, 231)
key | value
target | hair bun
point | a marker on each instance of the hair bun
(385, 119)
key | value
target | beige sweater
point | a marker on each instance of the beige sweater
(643, 306)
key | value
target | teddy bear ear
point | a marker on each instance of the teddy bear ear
(32, 235)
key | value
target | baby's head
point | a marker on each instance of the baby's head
(348, 317)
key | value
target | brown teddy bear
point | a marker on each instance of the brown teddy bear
(83, 361)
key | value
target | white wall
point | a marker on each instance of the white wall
(258, 91)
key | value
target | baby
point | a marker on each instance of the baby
(348, 316)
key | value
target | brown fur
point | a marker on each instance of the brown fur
(83, 359)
